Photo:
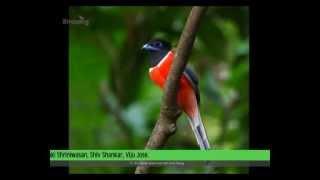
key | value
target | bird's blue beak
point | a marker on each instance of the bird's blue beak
(149, 48)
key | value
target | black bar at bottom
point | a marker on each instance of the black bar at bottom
(159, 163)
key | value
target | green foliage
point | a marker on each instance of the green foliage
(108, 50)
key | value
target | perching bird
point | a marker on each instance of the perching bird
(188, 97)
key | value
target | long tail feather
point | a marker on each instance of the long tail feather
(199, 132)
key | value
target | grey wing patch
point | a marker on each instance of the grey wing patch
(193, 77)
(194, 82)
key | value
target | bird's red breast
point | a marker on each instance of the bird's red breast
(186, 96)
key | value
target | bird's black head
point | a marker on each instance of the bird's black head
(157, 49)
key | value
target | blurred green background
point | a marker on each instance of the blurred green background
(114, 104)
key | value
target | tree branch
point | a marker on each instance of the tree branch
(111, 104)
(169, 111)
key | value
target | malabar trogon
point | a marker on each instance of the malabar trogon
(161, 57)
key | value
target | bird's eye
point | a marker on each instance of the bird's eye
(158, 44)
